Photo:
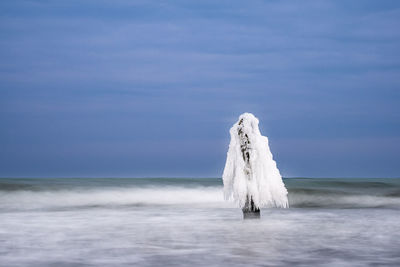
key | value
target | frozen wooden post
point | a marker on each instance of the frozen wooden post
(250, 176)
(250, 211)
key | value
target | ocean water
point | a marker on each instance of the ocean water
(186, 222)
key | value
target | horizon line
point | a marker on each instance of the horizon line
(180, 177)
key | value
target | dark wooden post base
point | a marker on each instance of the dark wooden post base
(250, 211)
(251, 214)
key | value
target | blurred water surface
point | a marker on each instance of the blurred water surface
(186, 222)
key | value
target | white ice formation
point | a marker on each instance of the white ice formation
(250, 172)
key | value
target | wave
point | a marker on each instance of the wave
(64, 194)
(342, 201)
(190, 197)
(27, 200)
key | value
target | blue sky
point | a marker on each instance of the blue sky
(150, 88)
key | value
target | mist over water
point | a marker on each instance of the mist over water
(185, 222)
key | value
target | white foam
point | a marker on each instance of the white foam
(23, 200)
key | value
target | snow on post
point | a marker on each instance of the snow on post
(251, 176)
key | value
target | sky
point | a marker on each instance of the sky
(124, 88)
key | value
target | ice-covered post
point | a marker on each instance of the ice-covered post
(250, 176)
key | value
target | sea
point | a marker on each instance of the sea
(186, 222)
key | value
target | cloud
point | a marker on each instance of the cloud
(82, 70)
